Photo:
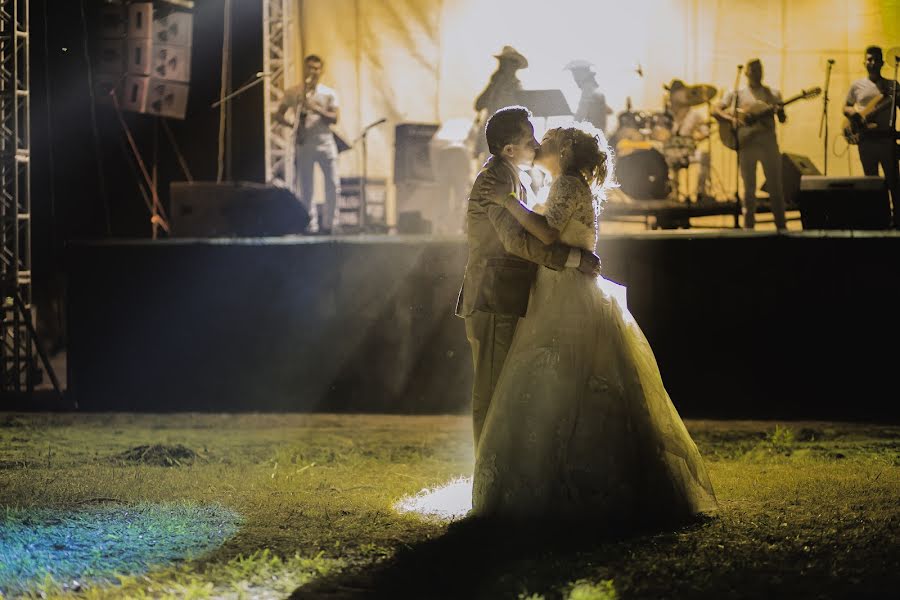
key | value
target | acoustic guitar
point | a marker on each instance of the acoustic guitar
(750, 120)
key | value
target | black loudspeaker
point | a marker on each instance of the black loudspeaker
(793, 167)
(844, 203)
(412, 159)
(234, 209)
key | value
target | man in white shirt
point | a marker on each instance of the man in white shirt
(877, 145)
(761, 146)
(317, 109)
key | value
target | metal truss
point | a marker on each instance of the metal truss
(279, 62)
(17, 351)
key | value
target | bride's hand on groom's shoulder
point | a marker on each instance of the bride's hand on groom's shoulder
(590, 264)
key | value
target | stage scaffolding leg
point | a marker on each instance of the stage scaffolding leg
(279, 71)
(18, 367)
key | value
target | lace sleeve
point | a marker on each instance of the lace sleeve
(561, 202)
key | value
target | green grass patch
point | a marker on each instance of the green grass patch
(807, 510)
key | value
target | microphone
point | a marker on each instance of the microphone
(263, 74)
(639, 70)
(830, 61)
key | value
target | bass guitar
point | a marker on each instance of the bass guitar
(749, 121)
(858, 125)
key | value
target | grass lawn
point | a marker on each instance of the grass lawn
(271, 506)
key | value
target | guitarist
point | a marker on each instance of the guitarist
(876, 144)
(317, 109)
(762, 145)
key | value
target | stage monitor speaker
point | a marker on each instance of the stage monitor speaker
(844, 203)
(412, 156)
(412, 223)
(793, 167)
(234, 209)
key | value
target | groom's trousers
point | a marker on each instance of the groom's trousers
(490, 336)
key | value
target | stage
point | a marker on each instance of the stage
(743, 324)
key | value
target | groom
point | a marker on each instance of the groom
(503, 257)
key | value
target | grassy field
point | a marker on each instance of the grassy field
(271, 506)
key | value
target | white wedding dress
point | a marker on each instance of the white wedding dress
(580, 425)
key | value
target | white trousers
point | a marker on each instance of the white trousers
(762, 149)
(324, 153)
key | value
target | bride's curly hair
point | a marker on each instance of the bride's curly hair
(585, 153)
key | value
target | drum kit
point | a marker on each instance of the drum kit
(649, 150)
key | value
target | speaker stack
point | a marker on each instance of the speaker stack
(414, 177)
(144, 57)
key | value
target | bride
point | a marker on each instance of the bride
(580, 425)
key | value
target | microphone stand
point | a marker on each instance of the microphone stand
(256, 80)
(823, 124)
(895, 202)
(363, 208)
(737, 148)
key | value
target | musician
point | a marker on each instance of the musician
(689, 122)
(877, 146)
(762, 145)
(317, 109)
(502, 90)
(592, 106)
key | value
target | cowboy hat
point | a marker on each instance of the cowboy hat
(510, 53)
(579, 65)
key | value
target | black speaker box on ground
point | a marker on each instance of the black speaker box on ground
(412, 158)
(793, 167)
(234, 209)
(844, 203)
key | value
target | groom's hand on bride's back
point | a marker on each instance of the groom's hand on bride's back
(590, 264)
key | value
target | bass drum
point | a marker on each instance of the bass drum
(644, 175)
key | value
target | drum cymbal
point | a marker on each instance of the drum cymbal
(891, 56)
(699, 94)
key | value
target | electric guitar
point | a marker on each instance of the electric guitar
(856, 127)
(749, 124)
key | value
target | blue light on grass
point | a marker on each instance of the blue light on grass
(94, 543)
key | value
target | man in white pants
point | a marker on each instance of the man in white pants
(317, 110)
(760, 144)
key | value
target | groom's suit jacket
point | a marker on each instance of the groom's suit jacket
(503, 256)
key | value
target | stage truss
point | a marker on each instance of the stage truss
(279, 71)
(17, 347)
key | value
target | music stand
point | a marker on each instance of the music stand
(544, 103)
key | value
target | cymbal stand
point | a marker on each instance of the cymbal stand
(823, 124)
(737, 150)
(895, 202)
(709, 123)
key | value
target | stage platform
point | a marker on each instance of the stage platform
(744, 324)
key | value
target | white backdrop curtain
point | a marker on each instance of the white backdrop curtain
(426, 60)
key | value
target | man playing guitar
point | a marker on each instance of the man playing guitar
(760, 145)
(868, 112)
